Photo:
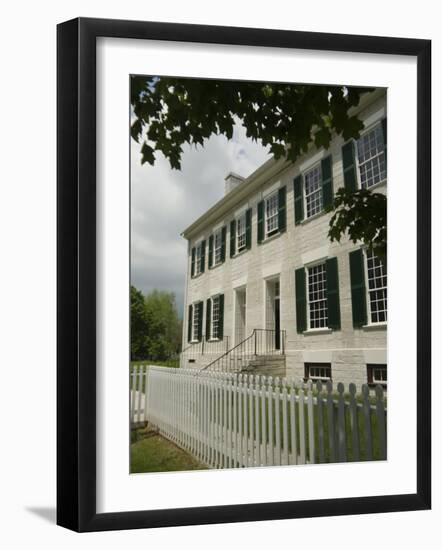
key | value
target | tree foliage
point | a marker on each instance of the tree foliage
(362, 215)
(170, 112)
(287, 118)
(155, 325)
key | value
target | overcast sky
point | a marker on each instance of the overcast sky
(166, 201)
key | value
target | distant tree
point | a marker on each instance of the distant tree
(164, 339)
(139, 325)
(288, 118)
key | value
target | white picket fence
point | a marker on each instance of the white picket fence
(237, 420)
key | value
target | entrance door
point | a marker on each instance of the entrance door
(273, 315)
(277, 317)
(240, 316)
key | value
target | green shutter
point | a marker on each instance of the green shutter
(189, 324)
(200, 306)
(299, 199)
(192, 271)
(221, 316)
(223, 243)
(334, 312)
(260, 221)
(203, 256)
(210, 251)
(301, 300)
(249, 228)
(282, 218)
(327, 182)
(232, 237)
(357, 279)
(349, 163)
(208, 317)
(384, 135)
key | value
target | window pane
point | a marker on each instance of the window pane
(241, 233)
(215, 317)
(217, 247)
(272, 213)
(371, 157)
(377, 288)
(313, 191)
(317, 297)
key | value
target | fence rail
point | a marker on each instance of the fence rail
(230, 420)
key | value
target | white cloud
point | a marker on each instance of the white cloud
(166, 201)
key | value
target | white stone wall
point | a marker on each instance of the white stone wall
(348, 350)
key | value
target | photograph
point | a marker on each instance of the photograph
(258, 274)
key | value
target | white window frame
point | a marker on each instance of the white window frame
(368, 291)
(373, 367)
(217, 250)
(358, 165)
(274, 196)
(304, 187)
(241, 220)
(309, 320)
(195, 308)
(213, 320)
(198, 254)
(319, 366)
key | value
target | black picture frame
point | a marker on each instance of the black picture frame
(76, 273)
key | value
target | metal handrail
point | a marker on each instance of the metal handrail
(252, 346)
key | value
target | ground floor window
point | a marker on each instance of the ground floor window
(317, 371)
(215, 318)
(197, 310)
(317, 296)
(377, 288)
(377, 374)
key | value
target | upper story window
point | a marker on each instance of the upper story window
(317, 296)
(272, 215)
(198, 259)
(371, 157)
(365, 160)
(377, 288)
(313, 191)
(241, 233)
(217, 247)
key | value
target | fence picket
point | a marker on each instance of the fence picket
(310, 422)
(301, 420)
(367, 422)
(380, 414)
(331, 421)
(342, 452)
(354, 422)
(293, 438)
(285, 435)
(270, 461)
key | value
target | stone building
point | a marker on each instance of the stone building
(267, 291)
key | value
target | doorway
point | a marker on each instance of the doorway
(273, 314)
(240, 315)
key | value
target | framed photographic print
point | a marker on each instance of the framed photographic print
(226, 350)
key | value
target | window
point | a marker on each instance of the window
(377, 374)
(241, 233)
(371, 157)
(271, 214)
(198, 259)
(217, 247)
(196, 321)
(313, 191)
(317, 296)
(215, 318)
(317, 371)
(377, 289)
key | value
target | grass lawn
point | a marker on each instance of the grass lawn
(153, 453)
